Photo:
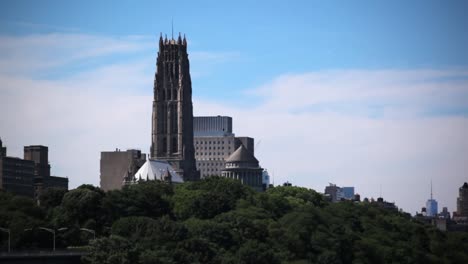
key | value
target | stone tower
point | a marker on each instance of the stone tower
(172, 130)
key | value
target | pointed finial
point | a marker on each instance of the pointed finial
(431, 189)
(179, 39)
(185, 41)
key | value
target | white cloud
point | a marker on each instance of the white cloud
(313, 128)
(401, 151)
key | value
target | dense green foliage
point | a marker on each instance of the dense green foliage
(218, 220)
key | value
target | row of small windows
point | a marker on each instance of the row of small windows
(205, 170)
(210, 148)
(211, 142)
(210, 164)
(209, 153)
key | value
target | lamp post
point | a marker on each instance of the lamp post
(50, 231)
(89, 231)
(9, 236)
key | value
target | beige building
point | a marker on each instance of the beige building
(116, 165)
(214, 142)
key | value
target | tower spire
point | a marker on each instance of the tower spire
(431, 189)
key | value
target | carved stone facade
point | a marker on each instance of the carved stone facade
(172, 122)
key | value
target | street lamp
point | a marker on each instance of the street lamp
(6, 231)
(50, 231)
(89, 231)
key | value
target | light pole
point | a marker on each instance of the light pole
(50, 231)
(9, 236)
(89, 231)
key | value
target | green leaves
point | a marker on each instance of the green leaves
(219, 220)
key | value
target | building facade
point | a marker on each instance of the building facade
(28, 176)
(431, 208)
(243, 166)
(17, 176)
(336, 193)
(116, 165)
(42, 179)
(214, 142)
(212, 126)
(172, 120)
(462, 201)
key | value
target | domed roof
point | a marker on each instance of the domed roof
(157, 170)
(242, 155)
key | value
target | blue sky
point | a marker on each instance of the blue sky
(271, 37)
(361, 93)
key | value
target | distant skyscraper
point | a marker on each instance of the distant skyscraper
(462, 201)
(172, 121)
(333, 191)
(265, 179)
(431, 206)
(337, 193)
(348, 192)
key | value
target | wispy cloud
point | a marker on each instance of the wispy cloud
(322, 127)
(31, 53)
(388, 91)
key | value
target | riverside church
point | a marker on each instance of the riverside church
(172, 152)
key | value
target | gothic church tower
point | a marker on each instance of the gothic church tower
(172, 130)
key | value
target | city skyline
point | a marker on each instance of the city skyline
(361, 95)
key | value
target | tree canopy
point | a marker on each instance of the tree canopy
(219, 220)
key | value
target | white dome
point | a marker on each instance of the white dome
(157, 170)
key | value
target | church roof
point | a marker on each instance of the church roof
(242, 155)
(157, 170)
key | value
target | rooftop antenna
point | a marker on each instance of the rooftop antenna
(172, 28)
(381, 191)
(431, 189)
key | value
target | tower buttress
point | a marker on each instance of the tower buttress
(172, 120)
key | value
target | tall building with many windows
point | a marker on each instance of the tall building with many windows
(16, 175)
(172, 121)
(431, 206)
(462, 201)
(214, 142)
(28, 176)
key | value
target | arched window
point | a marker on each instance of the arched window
(174, 145)
(164, 145)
